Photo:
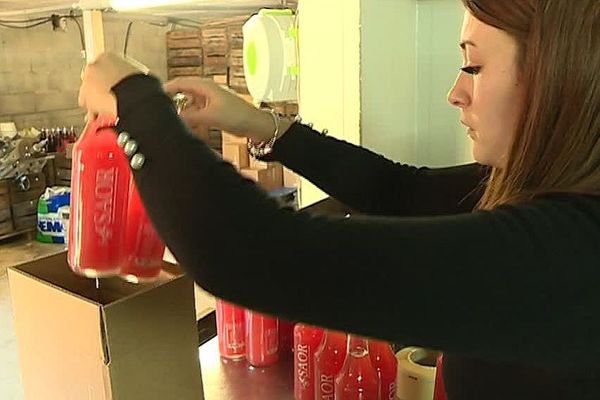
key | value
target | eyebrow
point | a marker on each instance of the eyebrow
(463, 45)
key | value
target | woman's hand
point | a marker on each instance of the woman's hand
(212, 106)
(98, 78)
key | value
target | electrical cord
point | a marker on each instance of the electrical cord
(127, 35)
(33, 25)
(81, 37)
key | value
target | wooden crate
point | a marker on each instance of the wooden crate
(19, 197)
(4, 188)
(235, 37)
(184, 39)
(4, 200)
(63, 174)
(237, 80)
(176, 53)
(236, 58)
(28, 207)
(25, 222)
(36, 181)
(6, 227)
(185, 71)
(214, 41)
(195, 61)
(215, 65)
(5, 214)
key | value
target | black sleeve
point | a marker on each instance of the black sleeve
(519, 283)
(373, 184)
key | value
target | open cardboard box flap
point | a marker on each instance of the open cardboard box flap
(115, 341)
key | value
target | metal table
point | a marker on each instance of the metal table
(236, 380)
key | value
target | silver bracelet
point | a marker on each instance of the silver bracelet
(258, 150)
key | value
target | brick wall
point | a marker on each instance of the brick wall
(40, 69)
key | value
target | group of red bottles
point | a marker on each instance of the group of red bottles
(246, 334)
(331, 365)
(109, 232)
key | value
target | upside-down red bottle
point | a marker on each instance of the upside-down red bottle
(329, 359)
(99, 191)
(262, 339)
(439, 391)
(306, 342)
(143, 248)
(386, 365)
(357, 379)
(231, 330)
(286, 336)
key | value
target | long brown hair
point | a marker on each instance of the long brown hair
(556, 148)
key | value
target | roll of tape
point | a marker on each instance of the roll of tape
(416, 373)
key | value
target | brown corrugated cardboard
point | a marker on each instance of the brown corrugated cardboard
(119, 342)
(269, 179)
(237, 154)
(258, 164)
(229, 138)
(290, 179)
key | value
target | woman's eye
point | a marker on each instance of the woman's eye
(471, 70)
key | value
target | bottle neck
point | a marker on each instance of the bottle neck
(357, 346)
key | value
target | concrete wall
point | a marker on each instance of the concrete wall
(409, 60)
(40, 69)
(329, 36)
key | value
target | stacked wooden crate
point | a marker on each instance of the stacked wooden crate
(185, 53)
(269, 175)
(219, 44)
(215, 48)
(236, 77)
(6, 223)
(18, 207)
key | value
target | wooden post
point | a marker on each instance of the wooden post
(94, 33)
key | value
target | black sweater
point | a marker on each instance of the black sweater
(518, 286)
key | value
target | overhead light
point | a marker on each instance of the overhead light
(126, 5)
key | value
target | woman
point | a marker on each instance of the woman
(498, 263)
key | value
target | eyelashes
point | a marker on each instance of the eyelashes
(471, 70)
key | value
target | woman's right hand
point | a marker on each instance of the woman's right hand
(210, 105)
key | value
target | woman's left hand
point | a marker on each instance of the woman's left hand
(98, 79)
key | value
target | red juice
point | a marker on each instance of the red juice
(99, 191)
(357, 379)
(262, 339)
(386, 365)
(231, 330)
(306, 341)
(439, 391)
(329, 359)
(144, 249)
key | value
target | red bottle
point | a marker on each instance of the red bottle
(329, 359)
(386, 365)
(357, 379)
(99, 190)
(306, 342)
(262, 339)
(286, 336)
(439, 391)
(231, 330)
(144, 249)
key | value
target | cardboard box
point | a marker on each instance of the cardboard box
(257, 164)
(118, 342)
(237, 154)
(290, 178)
(220, 79)
(269, 179)
(229, 138)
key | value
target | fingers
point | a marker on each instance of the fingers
(196, 86)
